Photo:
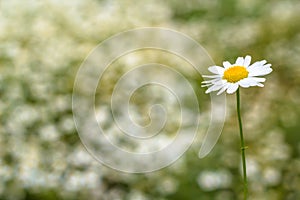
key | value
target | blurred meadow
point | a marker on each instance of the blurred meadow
(42, 45)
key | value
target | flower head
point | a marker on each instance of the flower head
(231, 76)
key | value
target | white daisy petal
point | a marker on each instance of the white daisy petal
(240, 61)
(219, 82)
(227, 64)
(258, 67)
(212, 80)
(257, 79)
(206, 84)
(247, 61)
(262, 62)
(251, 81)
(223, 89)
(211, 76)
(254, 65)
(260, 85)
(245, 83)
(232, 88)
(257, 64)
(260, 72)
(267, 65)
(213, 88)
(216, 70)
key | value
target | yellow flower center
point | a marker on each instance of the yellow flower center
(235, 73)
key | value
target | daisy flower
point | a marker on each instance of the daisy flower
(231, 76)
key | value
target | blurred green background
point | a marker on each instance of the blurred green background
(43, 43)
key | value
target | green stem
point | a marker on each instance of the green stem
(242, 144)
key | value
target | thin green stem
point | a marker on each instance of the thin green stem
(243, 147)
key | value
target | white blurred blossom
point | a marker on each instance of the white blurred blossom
(212, 180)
